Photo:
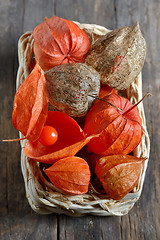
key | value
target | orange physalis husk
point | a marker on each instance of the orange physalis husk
(70, 175)
(105, 90)
(71, 139)
(31, 105)
(58, 41)
(119, 132)
(119, 174)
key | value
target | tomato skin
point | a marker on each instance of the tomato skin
(48, 136)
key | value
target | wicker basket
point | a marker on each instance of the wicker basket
(40, 194)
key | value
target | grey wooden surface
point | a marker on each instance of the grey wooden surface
(17, 220)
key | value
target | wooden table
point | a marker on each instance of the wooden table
(17, 220)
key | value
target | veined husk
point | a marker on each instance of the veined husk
(118, 56)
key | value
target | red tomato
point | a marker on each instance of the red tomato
(48, 136)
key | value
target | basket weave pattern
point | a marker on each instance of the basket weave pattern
(40, 193)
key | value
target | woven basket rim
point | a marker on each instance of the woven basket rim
(41, 197)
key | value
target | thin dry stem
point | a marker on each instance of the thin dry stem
(121, 110)
(13, 140)
(146, 95)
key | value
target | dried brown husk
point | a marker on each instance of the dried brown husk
(118, 56)
(69, 87)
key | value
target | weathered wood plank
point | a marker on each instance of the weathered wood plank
(89, 227)
(99, 12)
(17, 220)
(28, 226)
(35, 12)
(10, 156)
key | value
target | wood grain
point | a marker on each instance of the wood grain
(17, 220)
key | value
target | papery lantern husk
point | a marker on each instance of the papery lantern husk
(69, 87)
(70, 175)
(118, 56)
(119, 174)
